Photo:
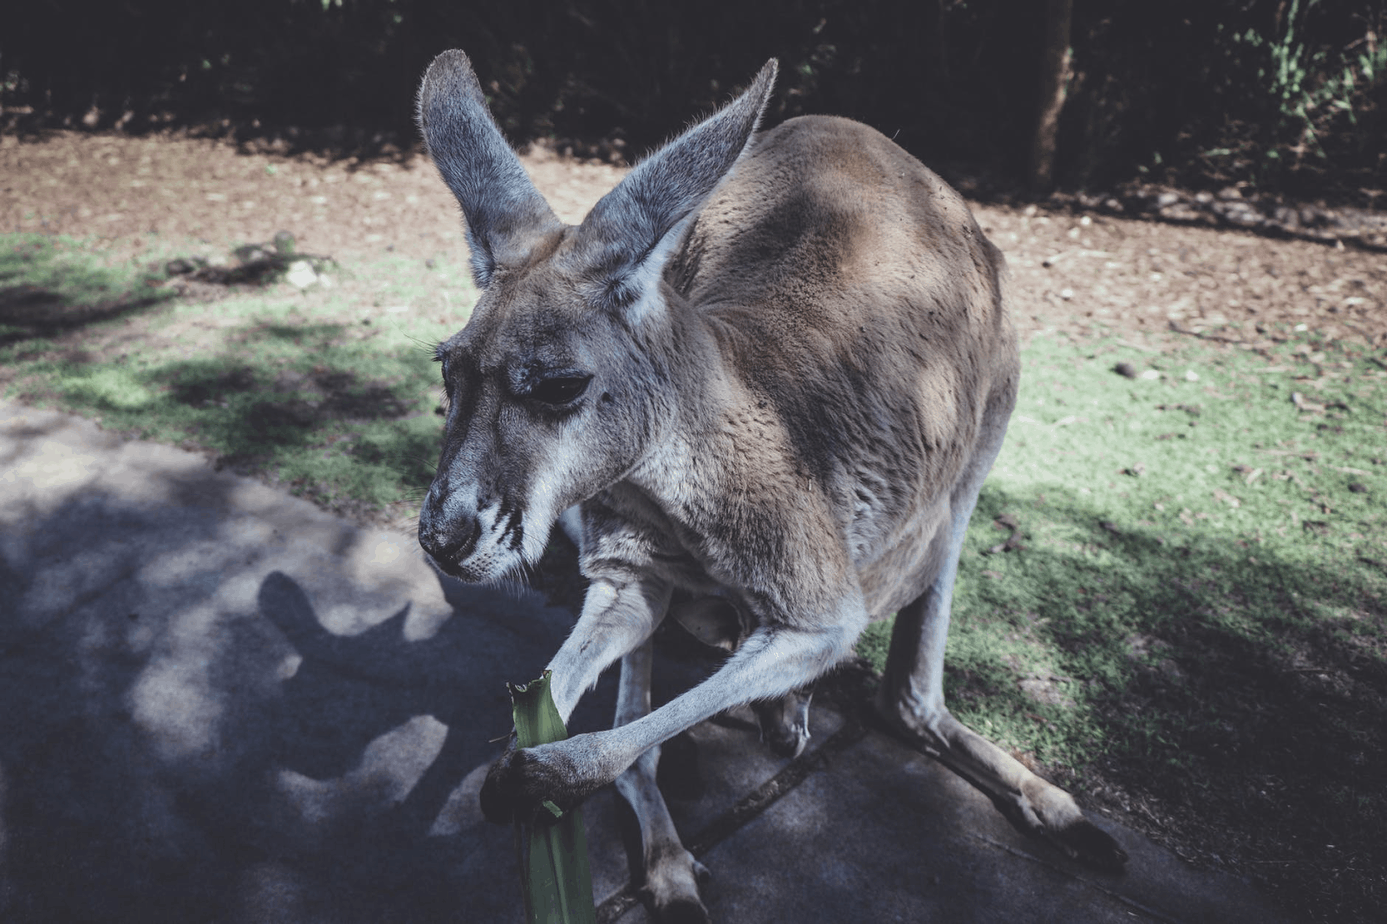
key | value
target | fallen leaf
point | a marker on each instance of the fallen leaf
(1225, 497)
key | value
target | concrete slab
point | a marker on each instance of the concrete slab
(883, 833)
(219, 703)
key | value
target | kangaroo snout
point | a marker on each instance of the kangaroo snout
(473, 540)
(448, 540)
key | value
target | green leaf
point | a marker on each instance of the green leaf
(555, 876)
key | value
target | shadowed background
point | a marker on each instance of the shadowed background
(1281, 94)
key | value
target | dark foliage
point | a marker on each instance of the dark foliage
(1201, 92)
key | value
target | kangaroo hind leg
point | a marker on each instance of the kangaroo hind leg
(672, 875)
(911, 699)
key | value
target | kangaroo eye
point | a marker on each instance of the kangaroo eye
(560, 390)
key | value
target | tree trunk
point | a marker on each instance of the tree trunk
(1054, 86)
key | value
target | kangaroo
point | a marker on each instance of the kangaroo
(767, 370)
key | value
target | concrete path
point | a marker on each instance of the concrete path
(219, 703)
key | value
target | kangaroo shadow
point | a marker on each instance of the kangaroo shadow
(387, 733)
(348, 691)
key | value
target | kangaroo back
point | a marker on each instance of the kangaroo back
(857, 296)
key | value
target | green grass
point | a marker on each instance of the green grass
(1198, 611)
(48, 284)
(329, 391)
(1152, 512)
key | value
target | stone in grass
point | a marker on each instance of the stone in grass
(1126, 370)
(301, 274)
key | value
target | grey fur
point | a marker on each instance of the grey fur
(502, 207)
(773, 371)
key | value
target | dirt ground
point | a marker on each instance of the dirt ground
(1079, 272)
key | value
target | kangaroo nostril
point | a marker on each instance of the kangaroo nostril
(463, 541)
(453, 542)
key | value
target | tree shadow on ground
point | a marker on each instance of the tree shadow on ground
(184, 736)
(306, 404)
(44, 295)
(1241, 698)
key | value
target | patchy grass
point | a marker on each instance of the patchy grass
(328, 391)
(48, 285)
(1190, 624)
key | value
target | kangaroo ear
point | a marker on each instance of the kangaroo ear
(635, 227)
(503, 210)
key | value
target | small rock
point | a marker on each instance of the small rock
(1305, 405)
(1358, 487)
(1191, 375)
(1126, 370)
(301, 274)
(1150, 375)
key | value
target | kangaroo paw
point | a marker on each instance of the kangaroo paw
(671, 884)
(1088, 843)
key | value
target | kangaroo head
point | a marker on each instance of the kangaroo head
(561, 381)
